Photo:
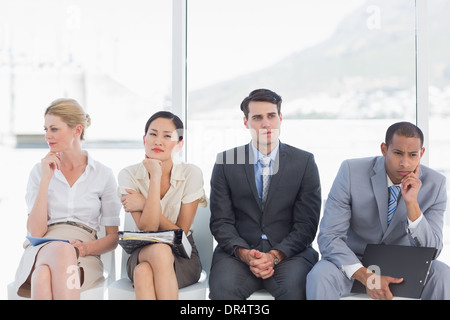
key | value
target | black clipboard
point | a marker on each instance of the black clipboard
(410, 263)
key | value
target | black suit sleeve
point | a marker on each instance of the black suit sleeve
(305, 212)
(223, 218)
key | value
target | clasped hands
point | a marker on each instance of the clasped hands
(261, 264)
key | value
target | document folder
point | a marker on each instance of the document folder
(410, 263)
(35, 241)
(176, 238)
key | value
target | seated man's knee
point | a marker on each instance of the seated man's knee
(229, 283)
(322, 280)
(440, 268)
(322, 270)
(220, 286)
(440, 271)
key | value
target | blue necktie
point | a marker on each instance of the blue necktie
(393, 198)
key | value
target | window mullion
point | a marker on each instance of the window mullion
(422, 71)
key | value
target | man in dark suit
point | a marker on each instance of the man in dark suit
(263, 216)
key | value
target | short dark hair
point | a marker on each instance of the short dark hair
(404, 129)
(167, 115)
(265, 95)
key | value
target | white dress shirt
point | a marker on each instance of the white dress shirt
(92, 200)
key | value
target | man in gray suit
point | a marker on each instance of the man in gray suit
(358, 212)
(264, 218)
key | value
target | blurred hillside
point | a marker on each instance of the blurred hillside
(366, 69)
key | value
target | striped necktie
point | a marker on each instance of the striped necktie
(393, 199)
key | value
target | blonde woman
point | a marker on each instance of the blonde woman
(162, 194)
(69, 195)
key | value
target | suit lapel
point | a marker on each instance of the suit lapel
(250, 172)
(379, 186)
(277, 170)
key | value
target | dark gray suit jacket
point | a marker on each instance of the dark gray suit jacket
(291, 214)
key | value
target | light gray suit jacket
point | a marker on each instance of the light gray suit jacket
(356, 212)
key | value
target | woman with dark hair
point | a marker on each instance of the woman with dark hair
(162, 194)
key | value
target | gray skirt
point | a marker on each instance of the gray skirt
(187, 271)
(92, 265)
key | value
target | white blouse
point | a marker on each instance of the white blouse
(92, 200)
(186, 185)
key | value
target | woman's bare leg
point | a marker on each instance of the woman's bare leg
(159, 259)
(54, 273)
(143, 282)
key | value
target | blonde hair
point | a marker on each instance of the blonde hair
(70, 111)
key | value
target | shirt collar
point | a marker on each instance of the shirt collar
(91, 165)
(176, 174)
(91, 162)
(258, 155)
(390, 183)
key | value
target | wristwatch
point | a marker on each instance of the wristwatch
(275, 259)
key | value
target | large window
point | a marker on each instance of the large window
(113, 56)
(439, 88)
(345, 70)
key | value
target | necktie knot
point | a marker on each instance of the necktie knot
(265, 161)
(394, 192)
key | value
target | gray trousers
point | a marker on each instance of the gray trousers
(327, 282)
